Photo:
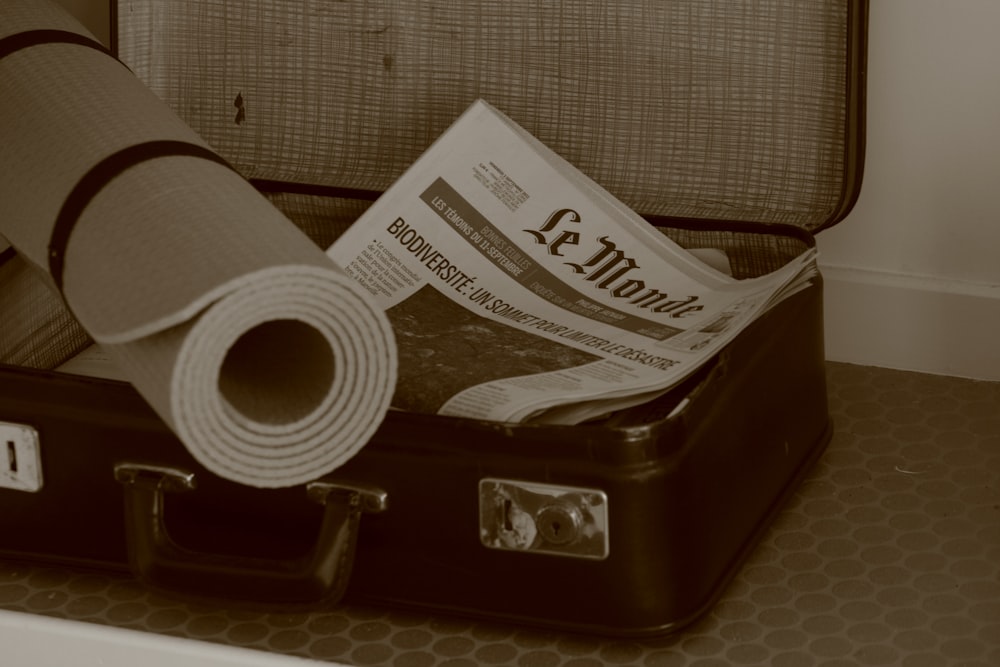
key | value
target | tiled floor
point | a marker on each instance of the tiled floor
(889, 554)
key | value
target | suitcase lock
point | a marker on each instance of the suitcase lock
(543, 518)
(318, 576)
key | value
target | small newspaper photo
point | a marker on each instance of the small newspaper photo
(519, 290)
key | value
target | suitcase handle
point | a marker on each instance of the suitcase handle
(318, 576)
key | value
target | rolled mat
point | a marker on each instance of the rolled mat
(271, 365)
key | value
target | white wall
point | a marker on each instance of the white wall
(913, 273)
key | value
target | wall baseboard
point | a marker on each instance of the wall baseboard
(916, 323)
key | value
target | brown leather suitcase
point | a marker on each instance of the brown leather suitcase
(733, 126)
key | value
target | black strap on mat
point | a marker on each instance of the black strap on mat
(107, 169)
(22, 40)
(7, 255)
(99, 176)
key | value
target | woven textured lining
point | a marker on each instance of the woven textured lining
(321, 218)
(691, 108)
(38, 330)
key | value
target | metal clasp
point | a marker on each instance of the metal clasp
(543, 518)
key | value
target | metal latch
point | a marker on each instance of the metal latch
(20, 457)
(543, 518)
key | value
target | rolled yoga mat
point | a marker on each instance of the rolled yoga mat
(269, 363)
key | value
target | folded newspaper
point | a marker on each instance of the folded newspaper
(519, 290)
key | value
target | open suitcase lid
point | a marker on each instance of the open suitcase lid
(690, 109)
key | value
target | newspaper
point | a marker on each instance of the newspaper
(519, 290)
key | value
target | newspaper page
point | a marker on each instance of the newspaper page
(521, 291)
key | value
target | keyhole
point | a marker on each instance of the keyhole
(559, 523)
(507, 523)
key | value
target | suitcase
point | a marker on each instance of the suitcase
(733, 126)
